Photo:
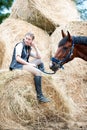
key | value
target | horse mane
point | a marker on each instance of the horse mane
(82, 40)
(75, 39)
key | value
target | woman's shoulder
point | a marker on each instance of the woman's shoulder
(19, 45)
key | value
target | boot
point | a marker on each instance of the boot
(40, 96)
(41, 67)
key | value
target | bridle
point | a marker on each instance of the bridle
(59, 63)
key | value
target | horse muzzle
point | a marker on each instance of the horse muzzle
(54, 67)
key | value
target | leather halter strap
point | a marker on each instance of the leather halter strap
(60, 62)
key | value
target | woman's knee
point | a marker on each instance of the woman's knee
(37, 61)
(32, 70)
(38, 73)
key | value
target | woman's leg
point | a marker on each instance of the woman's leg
(32, 69)
(38, 87)
(39, 64)
(36, 61)
(37, 81)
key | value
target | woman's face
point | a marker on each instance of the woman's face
(28, 40)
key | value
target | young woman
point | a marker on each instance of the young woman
(20, 60)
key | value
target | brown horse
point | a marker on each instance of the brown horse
(68, 48)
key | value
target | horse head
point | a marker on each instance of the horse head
(63, 53)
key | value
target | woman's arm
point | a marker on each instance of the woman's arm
(22, 61)
(19, 48)
(37, 52)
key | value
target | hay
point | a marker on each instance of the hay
(67, 89)
(74, 78)
(2, 51)
(76, 28)
(45, 14)
(12, 31)
(25, 10)
(18, 104)
(57, 11)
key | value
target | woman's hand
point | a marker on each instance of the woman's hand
(33, 44)
(32, 64)
(38, 55)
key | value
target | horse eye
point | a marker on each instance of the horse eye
(65, 48)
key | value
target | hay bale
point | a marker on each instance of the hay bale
(76, 28)
(67, 89)
(45, 14)
(19, 108)
(12, 31)
(73, 79)
(2, 51)
(25, 10)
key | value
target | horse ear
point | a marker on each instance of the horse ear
(69, 36)
(63, 34)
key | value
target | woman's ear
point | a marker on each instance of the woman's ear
(63, 34)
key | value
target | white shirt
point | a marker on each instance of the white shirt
(19, 48)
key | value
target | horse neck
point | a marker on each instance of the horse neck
(80, 47)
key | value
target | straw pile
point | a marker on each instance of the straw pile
(19, 108)
(75, 73)
(12, 31)
(67, 89)
(2, 51)
(76, 28)
(45, 14)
